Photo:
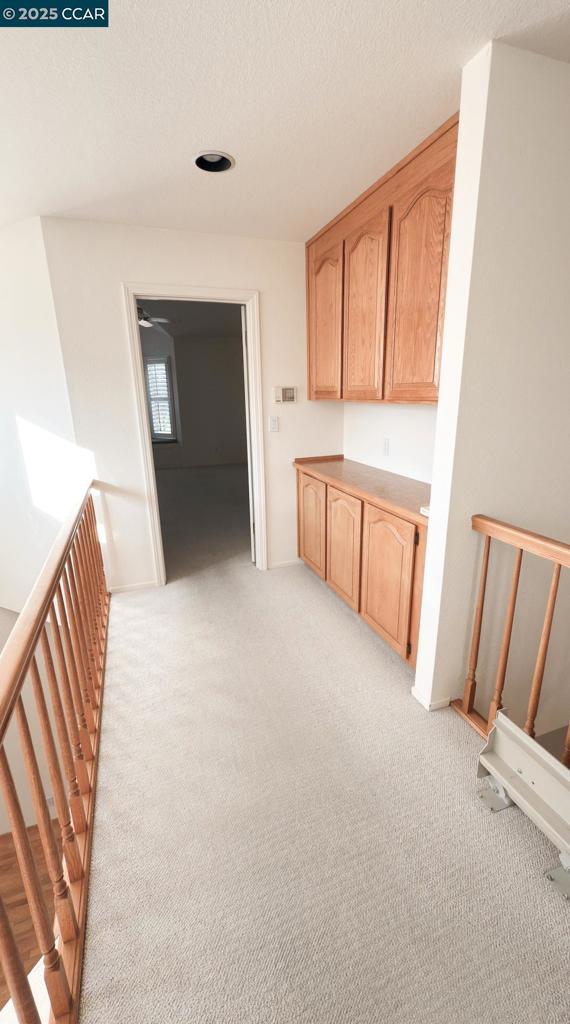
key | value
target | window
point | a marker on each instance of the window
(160, 402)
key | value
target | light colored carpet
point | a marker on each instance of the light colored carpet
(282, 833)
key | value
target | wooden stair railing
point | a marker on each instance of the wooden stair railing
(59, 644)
(544, 547)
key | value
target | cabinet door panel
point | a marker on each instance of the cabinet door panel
(419, 245)
(312, 522)
(325, 322)
(344, 530)
(387, 569)
(420, 240)
(365, 282)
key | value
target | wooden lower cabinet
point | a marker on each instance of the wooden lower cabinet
(312, 513)
(344, 532)
(417, 591)
(387, 575)
(354, 531)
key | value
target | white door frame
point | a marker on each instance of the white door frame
(248, 432)
(242, 297)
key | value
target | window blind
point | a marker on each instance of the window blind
(159, 391)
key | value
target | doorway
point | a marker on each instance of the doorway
(196, 363)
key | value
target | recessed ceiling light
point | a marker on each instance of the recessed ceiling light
(214, 161)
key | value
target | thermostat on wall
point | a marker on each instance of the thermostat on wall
(284, 394)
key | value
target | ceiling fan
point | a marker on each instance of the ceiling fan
(146, 320)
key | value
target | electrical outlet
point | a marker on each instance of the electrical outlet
(386, 446)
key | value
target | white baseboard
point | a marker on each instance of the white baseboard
(283, 565)
(436, 705)
(135, 586)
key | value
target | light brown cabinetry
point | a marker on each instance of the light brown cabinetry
(312, 513)
(365, 285)
(421, 221)
(344, 529)
(387, 568)
(376, 282)
(325, 321)
(374, 537)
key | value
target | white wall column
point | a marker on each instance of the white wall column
(503, 432)
(42, 470)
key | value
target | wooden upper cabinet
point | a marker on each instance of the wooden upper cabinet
(344, 530)
(365, 284)
(388, 544)
(325, 270)
(377, 278)
(421, 223)
(312, 511)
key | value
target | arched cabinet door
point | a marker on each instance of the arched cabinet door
(312, 498)
(388, 544)
(365, 284)
(325, 269)
(420, 243)
(344, 529)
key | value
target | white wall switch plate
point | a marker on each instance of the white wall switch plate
(274, 424)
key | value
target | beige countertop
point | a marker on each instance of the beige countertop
(398, 494)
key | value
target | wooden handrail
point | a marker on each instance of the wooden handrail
(59, 641)
(17, 654)
(517, 537)
(547, 548)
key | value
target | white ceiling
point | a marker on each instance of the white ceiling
(314, 98)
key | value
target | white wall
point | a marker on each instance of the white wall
(503, 432)
(89, 263)
(41, 469)
(409, 430)
(211, 403)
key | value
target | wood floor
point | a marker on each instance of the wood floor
(15, 900)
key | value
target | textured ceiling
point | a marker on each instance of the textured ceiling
(314, 98)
